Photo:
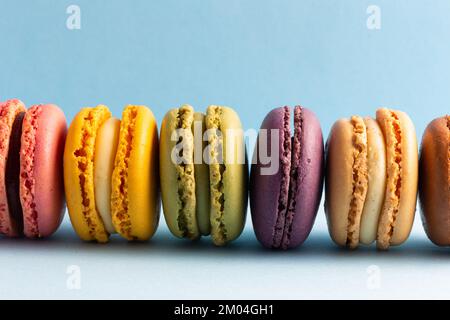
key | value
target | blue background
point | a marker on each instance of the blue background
(252, 55)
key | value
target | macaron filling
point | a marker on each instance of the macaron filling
(12, 174)
(394, 180)
(201, 173)
(105, 153)
(31, 227)
(376, 174)
(360, 181)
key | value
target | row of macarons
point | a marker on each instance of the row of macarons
(113, 173)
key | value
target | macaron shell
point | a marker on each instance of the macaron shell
(168, 174)
(396, 123)
(309, 178)
(435, 181)
(269, 181)
(8, 112)
(135, 198)
(41, 177)
(105, 153)
(376, 169)
(228, 182)
(178, 181)
(201, 171)
(339, 179)
(79, 173)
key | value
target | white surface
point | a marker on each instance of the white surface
(168, 268)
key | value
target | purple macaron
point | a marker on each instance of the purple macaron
(285, 191)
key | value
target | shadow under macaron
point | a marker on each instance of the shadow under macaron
(318, 246)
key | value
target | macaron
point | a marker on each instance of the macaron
(371, 179)
(434, 181)
(111, 174)
(204, 173)
(286, 178)
(31, 187)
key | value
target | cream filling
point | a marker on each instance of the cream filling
(376, 164)
(105, 153)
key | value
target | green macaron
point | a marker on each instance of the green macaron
(203, 172)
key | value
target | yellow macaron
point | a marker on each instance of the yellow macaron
(111, 174)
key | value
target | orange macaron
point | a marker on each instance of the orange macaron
(371, 179)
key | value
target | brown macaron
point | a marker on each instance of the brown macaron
(434, 183)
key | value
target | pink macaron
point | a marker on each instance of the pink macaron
(32, 199)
